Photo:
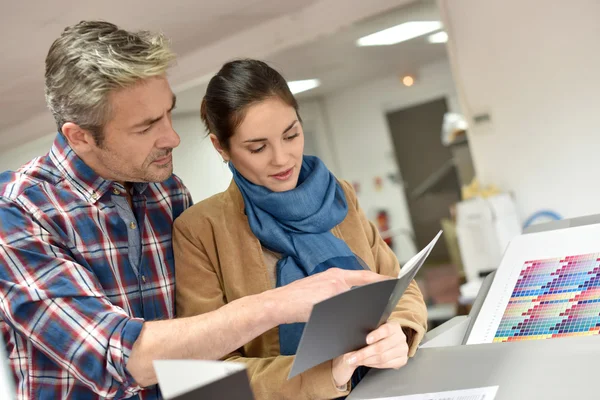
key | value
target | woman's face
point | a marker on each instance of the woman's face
(267, 147)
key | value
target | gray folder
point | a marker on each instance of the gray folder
(341, 324)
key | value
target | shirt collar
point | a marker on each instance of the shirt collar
(86, 182)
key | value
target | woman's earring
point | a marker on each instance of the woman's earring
(225, 161)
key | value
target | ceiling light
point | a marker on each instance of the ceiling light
(304, 85)
(408, 81)
(440, 37)
(400, 33)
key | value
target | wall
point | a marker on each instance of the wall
(13, 157)
(355, 120)
(317, 133)
(535, 72)
(195, 160)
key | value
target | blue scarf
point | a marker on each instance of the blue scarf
(297, 224)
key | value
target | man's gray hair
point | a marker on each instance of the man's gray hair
(92, 58)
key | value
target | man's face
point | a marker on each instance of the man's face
(138, 139)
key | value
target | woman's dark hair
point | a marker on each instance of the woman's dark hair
(238, 85)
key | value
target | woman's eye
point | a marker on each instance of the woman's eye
(254, 151)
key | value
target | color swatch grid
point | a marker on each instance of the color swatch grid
(554, 298)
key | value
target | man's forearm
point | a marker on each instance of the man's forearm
(208, 336)
(213, 335)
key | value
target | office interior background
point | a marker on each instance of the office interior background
(477, 117)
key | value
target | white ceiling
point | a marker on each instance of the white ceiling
(302, 38)
(27, 33)
(339, 63)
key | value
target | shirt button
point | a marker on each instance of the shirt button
(132, 225)
(116, 191)
(144, 278)
(95, 196)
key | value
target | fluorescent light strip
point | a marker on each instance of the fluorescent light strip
(400, 33)
(440, 37)
(304, 85)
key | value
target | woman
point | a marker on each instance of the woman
(284, 217)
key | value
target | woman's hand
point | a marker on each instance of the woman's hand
(387, 348)
(342, 371)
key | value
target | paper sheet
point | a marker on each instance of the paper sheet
(405, 277)
(423, 254)
(484, 393)
(540, 293)
(176, 377)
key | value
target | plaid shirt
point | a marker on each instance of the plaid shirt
(72, 296)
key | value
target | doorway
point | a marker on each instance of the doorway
(429, 177)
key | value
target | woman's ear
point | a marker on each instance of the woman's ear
(217, 145)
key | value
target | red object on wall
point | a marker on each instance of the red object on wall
(378, 183)
(383, 224)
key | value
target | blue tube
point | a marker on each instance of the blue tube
(543, 213)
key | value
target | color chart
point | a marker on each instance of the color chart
(553, 297)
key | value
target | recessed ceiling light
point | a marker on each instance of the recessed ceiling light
(440, 37)
(303, 85)
(408, 81)
(400, 33)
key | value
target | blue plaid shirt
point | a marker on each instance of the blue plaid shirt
(80, 271)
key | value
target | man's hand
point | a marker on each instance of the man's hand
(387, 348)
(294, 302)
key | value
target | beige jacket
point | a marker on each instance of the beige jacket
(218, 260)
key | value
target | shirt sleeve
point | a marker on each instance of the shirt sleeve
(60, 308)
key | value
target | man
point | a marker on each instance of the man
(86, 264)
